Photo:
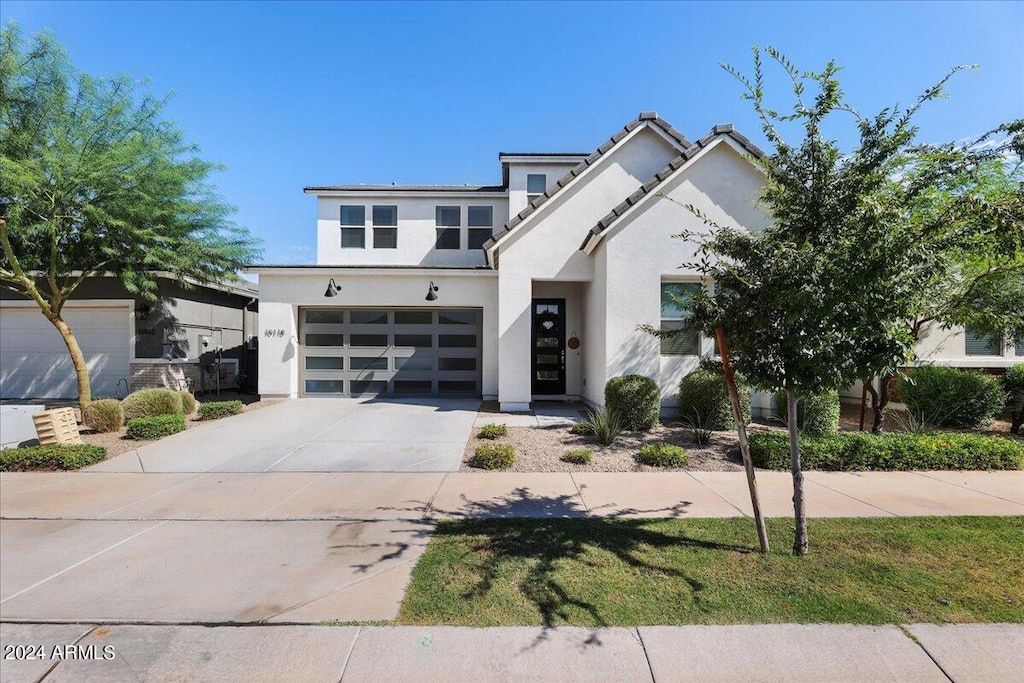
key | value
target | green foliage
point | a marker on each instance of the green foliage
(603, 424)
(188, 402)
(104, 415)
(663, 455)
(578, 456)
(213, 410)
(53, 457)
(582, 429)
(95, 179)
(636, 399)
(1013, 384)
(493, 456)
(151, 402)
(949, 397)
(156, 427)
(492, 431)
(704, 399)
(816, 414)
(860, 451)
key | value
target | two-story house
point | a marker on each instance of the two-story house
(531, 289)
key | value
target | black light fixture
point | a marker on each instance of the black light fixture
(432, 291)
(142, 312)
(332, 289)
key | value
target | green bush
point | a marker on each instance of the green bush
(151, 402)
(603, 424)
(816, 414)
(859, 451)
(492, 431)
(104, 415)
(663, 455)
(53, 457)
(188, 402)
(214, 410)
(582, 429)
(1013, 385)
(636, 399)
(704, 401)
(578, 456)
(149, 428)
(947, 397)
(493, 456)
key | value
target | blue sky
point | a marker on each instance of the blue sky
(293, 94)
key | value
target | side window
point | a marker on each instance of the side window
(480, 220)
(353, 230)
(536, 184)
(675, 313)
(449, 231)
(385, 227)
(978, 343)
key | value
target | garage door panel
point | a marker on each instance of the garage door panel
(34, 361)
(391, 352)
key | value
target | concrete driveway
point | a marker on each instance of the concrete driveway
(316, 435)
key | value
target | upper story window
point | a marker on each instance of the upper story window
(480, 220)
(385, 227)
(1020, 347)
(536, 183)
(675, 312)
(449, 223)
(978, 343)
(353, 230)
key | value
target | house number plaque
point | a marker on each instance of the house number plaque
(273, 333)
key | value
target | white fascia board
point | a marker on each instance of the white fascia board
(646, 199)
(518, 159)
(337, 271)
(251, 290)
(384, 194)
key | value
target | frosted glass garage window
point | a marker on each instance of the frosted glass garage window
(676, 298)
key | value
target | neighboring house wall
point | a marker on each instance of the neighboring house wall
(416, 234)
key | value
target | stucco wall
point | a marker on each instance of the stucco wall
(517, 172)
(416, 230)
(282, 294)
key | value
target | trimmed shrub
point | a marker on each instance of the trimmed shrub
(188, 402)
(150, 403)
(816, 414)
(859, 451)
(492, 431)
(663, 455)
(104, 415)
(156, 427)
(603, 424)
(53, 457)
(578, 456)
(493, 456)
(636, 399)
(214, 410)
(948, 397)
(1013, 385)
(704, 401)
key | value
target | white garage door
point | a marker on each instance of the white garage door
(34, 362)
(390, 352)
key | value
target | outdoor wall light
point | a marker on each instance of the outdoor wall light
(142, 312)
(332, 289)
(432, 292)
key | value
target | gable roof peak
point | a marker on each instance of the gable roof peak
(648, 115)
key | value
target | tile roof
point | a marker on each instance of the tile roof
(645, 117)
(722, 129)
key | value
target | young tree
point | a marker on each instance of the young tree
(93, 180)
(824, 292)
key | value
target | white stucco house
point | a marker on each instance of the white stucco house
(526, 290)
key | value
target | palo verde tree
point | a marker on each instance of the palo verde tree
(825, 291)
(94, 180)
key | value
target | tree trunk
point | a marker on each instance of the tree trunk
(799, 514)
(77, 358)
(879, 401)
(1016, 421)
(741, 431)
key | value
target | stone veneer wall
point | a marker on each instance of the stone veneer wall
(177, 375)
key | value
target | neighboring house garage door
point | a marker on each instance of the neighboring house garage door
(34, 362)
(390, 352)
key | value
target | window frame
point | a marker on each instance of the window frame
(439, 208)
(477, 208)
(996, 340)
(341, 215)
(698, 342)
(351, 231)
(373, 215)
(440, 235)
(533, 194)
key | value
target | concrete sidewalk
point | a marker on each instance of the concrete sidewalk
(780, 652)
(438, 495)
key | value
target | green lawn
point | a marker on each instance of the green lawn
(595, 572)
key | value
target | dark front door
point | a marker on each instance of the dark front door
(548, 362)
